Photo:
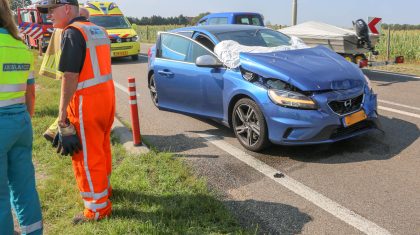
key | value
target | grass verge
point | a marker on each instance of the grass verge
(412, 69)
(152, 194)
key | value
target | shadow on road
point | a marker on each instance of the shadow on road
(389, 79)
(399, 134)
(263, 217)
(128, 60)
(271, 218)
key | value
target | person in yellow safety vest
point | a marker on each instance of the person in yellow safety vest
(17, 99)
(49, 67)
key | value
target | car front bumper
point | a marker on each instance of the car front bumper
(125, 49)
(288, 126)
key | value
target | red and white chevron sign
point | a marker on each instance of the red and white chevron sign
(375, 25)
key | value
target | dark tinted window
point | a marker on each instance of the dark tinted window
(258, 37)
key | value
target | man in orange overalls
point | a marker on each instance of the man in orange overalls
(87, 104)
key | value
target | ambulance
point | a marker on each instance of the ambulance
(124, 39)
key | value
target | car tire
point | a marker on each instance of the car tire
(135, 57)
(249, 125)
(153, 91)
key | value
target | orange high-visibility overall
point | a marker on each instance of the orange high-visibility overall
(92, 111)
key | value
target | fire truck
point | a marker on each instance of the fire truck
(34, 27)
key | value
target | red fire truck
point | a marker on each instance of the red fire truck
(34, 27)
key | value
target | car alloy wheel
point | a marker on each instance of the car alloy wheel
(153, 91)
(249, 125)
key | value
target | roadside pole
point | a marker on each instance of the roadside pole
(135, 124)
(388, 48)
(294, 12)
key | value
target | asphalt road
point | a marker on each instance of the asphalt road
(369, 184)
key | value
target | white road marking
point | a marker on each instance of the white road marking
(337, 210)
(399, 112)
(123, 88)
(395, 74)
(397, 104)
(144, 56)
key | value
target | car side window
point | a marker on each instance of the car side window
(218, 20)
(187, 34)
(196, 51)
(174, 47)
(203, 22)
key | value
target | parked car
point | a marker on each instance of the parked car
(248, 18)
(294, 97)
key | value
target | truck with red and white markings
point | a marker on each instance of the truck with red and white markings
(34, 27)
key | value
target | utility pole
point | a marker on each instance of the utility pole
(294, 12)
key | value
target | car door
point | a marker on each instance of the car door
(181, 85)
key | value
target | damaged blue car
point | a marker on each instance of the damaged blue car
(258, 82)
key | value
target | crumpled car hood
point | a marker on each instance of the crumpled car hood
(313, 69)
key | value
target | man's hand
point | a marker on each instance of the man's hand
(66, 141)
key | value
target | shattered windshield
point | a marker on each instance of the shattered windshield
(258, 37)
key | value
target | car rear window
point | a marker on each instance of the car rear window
(249, 20)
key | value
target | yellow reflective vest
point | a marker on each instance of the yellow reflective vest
(49, 66)
(16, 66)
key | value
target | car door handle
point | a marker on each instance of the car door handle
(166, 73)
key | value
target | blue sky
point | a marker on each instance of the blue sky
(336, 12)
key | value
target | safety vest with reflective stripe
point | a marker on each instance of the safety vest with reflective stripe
(51, 61)
(16, 64)
(97, 66)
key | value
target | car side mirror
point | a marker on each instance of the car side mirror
(208, 61)
(134, 26)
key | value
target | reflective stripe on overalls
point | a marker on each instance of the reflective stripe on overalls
(95, 76)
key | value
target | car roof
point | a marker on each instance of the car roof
(230, 13)
(220, 28)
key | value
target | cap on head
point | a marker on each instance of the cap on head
(44, 5)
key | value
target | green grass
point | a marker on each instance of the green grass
(148, 33)
(402, 42)
(152, 194)
(412, 69)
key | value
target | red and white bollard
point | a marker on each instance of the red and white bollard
(135, 124)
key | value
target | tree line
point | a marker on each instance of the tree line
(159, 20)
(401, 26)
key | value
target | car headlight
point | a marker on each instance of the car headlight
(135, 38)
(291, 99)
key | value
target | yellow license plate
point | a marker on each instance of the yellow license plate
(121, 53)
(354, 118)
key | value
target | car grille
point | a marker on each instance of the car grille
(113, 40)
(345, 131)
(343, 107)
(121, 48)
